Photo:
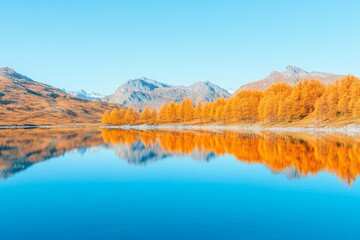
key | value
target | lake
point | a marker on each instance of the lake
(128, 184)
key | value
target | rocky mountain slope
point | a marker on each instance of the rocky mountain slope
(24, 101)
(141, 92)
(291, 76)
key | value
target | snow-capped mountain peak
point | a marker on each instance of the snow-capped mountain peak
(231, 90)
(85, 95)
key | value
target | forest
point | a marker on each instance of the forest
(308, 101)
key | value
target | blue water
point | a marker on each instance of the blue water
(95, 194)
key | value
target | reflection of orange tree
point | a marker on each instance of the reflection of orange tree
(308, 154)
(280, 103)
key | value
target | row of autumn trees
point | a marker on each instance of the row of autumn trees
(280, 103)
(308, 154)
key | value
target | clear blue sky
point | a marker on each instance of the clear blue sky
(98, 45)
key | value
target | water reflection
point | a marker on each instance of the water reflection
(294, 155)
(21, 148)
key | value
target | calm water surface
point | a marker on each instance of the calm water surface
(117, 184)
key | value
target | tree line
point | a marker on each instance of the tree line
(280, 103)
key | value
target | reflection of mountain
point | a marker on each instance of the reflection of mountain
(290, 173)
(138, 153)
(202, 155)
(21, 148)
(293, 155)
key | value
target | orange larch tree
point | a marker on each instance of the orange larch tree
(198, 111)
(144, 116)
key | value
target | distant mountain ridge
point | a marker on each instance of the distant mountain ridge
(141, 92)
(291, 75)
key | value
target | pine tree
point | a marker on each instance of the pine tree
(188, 110)
(115, 117)
(356, 112)
(127, 119)
(198, 111)
(163, 113)
(172, 112)
(144, 116)
(206, 112)
(153, 116)
(179, 112)
(135, 117)
(106, 118)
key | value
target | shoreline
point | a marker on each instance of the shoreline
(348, 129)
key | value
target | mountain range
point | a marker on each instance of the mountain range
(24, 101)
(141, 92)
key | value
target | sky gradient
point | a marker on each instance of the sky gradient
(98, 45)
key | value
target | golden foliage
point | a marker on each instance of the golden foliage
(308, 154)
(277, 104)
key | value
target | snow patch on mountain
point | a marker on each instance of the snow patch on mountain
(82, 94)
(231, 90)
